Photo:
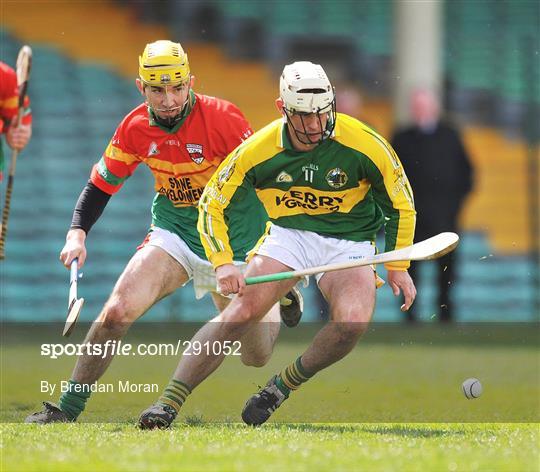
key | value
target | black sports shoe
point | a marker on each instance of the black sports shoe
(50, 414)
(261, 405)
(291, 307)
(157, 416)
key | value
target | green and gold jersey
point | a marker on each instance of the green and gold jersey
(347, 187)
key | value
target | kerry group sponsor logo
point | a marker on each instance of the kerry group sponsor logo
(308, 200)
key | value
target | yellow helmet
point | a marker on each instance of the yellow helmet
(163, 63)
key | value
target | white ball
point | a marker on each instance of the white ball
(472, 388)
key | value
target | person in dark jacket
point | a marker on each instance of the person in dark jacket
(440, 172)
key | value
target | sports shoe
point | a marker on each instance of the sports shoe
(291, 307)
(50, 414)
(157, 416)
(261, 405)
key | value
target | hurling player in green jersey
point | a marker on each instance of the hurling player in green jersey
(328, 183)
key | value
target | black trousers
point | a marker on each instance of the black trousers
(445, 282)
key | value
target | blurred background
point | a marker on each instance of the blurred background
(481, 57)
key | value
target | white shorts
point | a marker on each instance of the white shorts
(198, 269)
(305, 249)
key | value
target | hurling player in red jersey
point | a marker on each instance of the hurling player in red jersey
(17, 137)
(182, 137)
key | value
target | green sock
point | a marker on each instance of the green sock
(292, 377)
(73, 401)
(175, 394)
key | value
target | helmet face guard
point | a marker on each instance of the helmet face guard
(305, 89)
(169, 120)
(303, 135)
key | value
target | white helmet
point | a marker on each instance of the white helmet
(304, 87)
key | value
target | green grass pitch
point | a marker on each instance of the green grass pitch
(394, 404)
(422, 447)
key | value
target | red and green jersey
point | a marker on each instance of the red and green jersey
(182, 160)
(9, 101)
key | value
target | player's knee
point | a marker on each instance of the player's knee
(118, 314)
(351, 328)
(242, 316)
(255, 359)
(240, 311)
(356, 315)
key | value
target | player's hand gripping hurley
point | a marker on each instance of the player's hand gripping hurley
(74, 304)
(431, 248)
(24, 63)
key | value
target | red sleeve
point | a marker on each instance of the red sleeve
(9, 97)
